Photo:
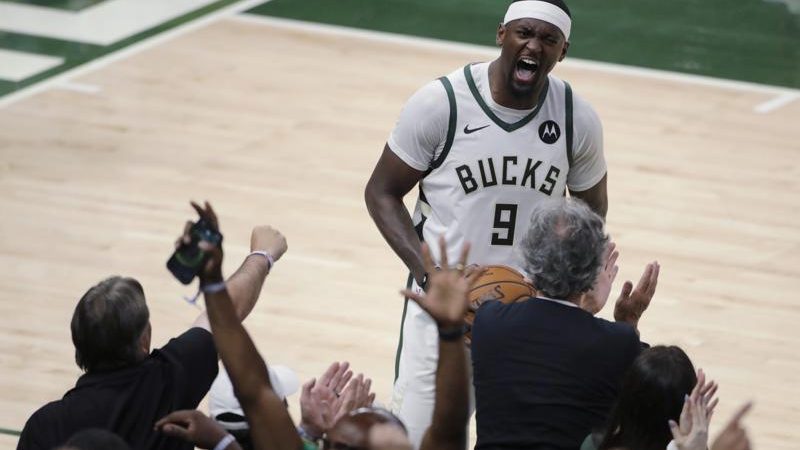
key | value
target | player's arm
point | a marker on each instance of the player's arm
(421, 129)
(391, 180)
(596, 197)
(588, 177)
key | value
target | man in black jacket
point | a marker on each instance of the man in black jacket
(127, 388)
(546, 371)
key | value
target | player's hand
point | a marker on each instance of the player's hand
(267, 239)
(632, 303)
(192, 426)
(447, 297)
(734, 436)
(594, 300)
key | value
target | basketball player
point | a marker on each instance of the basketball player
(484, 144)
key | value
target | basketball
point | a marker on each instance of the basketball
(497, 283)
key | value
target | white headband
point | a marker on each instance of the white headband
(536, 9)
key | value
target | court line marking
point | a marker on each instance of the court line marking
(101, 24)
(10, 432)
(125, 52)
(776, 102)
(230, 12)
(489, 51)
(83, 88)
(18, 65)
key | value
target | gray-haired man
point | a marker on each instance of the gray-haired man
(546, 371)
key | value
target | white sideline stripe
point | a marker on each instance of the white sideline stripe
(775, 103)
(491, 52)
(16, 66)
(79, 87)
(102, 24)
(127, 51)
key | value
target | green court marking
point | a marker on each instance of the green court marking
(749, 40)
(47, 46)
(69, 5)
(86, 54)
(10, 432)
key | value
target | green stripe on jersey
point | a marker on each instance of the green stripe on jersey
(500, 122)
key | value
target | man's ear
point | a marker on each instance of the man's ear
(144, 340)
(501, 33)
(564, 52)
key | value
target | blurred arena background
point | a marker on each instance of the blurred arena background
(114, 113)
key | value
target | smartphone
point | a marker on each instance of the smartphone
(188, 259)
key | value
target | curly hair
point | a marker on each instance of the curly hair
(563, 248)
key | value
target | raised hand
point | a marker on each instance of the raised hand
(446, 300)
(318, 398)
(356, 395)
(212, 270)
(192, 426)
(734, 436)
(267, 239)
(698, 407)
(594, 300)
(632, 303)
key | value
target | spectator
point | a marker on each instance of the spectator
(653, 393)
(547, 372)
(126, 388)
(226, 411)
(271, 425)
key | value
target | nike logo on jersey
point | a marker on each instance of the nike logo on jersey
(468, 130)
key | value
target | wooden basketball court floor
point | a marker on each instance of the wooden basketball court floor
(279, 124)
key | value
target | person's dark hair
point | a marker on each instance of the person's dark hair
(95, 439)
(652, 393)
(107, 324)
(563, 248)
(558, 3)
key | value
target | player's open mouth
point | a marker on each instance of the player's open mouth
(526, 69)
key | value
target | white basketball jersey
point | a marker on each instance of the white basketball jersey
(482, 186)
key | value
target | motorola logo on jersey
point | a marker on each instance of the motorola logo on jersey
(549, 132)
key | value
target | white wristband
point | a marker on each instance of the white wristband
(213, 288)
(224, 442)
(270, 259)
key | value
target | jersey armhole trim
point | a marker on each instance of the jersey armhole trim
(451, 124)
(569, 121)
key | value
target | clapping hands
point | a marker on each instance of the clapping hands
(323, 402)
(692, 432)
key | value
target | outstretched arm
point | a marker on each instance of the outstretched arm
(447, 301)
(391, 180)
(244, 286)
(271, 426)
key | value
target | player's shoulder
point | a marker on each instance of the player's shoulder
(430, 98)
(582, 110)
